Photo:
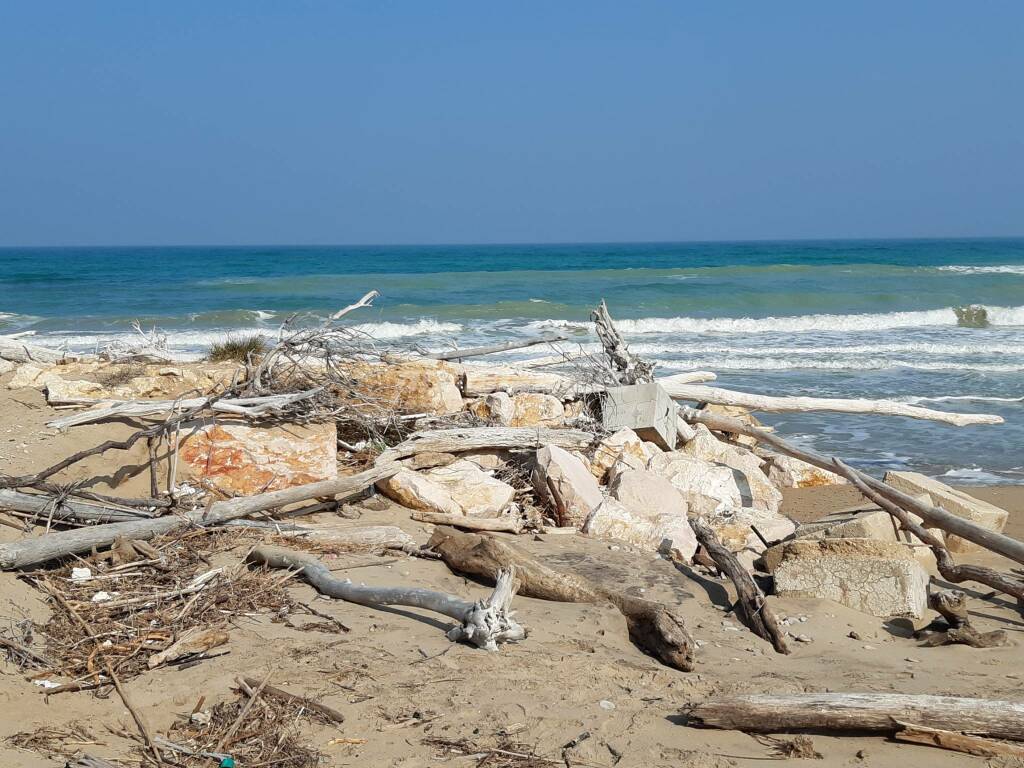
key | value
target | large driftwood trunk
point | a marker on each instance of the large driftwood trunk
(934, 517)
(719, 396)
(861, 712)
(478, 438)
(18, 351)
(20, 554)
(653, 627)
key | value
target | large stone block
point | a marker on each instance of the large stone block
(756, 490)
(566, 483)
(705, 486)
(247, 460)
(953, 501)
(645, 528)
(624, 446)
(878, 578)
(645, 408)
(413, 386)
(459, 488)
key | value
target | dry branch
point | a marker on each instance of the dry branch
(485, 623)
(20, 554)
(652, 626)
(458, 354)
(626, 368)
(506, 524)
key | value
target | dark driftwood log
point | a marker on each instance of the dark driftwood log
(861, 712)
(19, 554)
(756, 613)
(653, 627)
(485, 623)
(935, 517)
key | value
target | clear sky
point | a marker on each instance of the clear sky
(245, 121)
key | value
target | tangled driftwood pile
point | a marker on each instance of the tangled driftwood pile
(573, 442)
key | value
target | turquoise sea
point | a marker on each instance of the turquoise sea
(843, 318)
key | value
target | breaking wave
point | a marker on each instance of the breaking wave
(775, 364)
(802, 323)
(399, 330)
(999, 269)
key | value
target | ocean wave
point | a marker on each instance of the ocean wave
(388, 330)
(923, 348)
(973, 476)
(798, 323)
(775, 364)
(997, 269)
(954, 398)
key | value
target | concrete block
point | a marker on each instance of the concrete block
(953, 501)
(878, 578)
(645, 408)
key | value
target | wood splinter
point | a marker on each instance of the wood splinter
(485, 623)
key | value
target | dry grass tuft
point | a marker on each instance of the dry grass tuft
(239, 349)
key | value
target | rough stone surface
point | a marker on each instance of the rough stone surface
(6, 366)
(645, 493)
(862, 524)
(412, 386)
(787, 472)
(460, 488)
(878, 578)
(536, 409)
(567, 484)
(248, 460)
(29, 375)
(756, 490)
(704, 485)
(624, 445)
(953, 501)
(646, 529)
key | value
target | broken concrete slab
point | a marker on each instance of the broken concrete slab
(645, 408)
(567, 485)
(953, 501)
(647, 529)
(878, 578)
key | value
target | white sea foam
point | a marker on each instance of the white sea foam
(954, 398)
(799, 323)
(777, 364)
(923, 348)
(998, 269)
(973, 476)
(426, 326)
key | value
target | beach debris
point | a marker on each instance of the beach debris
(952, 606)
(644, 408)
(485, 623)
(882, 712)
(192, 642)
(653, 627)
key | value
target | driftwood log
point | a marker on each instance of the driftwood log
(718, 396)
(20, 554)
(881, 712)
(754, 608)
(479, 438)
(18, 351)
(934, 517)
(652, 626)
(505, 524)
(485, 623)
(477, 381)
(51, 507)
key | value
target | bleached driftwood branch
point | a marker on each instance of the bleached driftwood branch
(248, 407)
(718, 396)
(506, 523)
(624, 366)
(485, 623)
(477, 438)
(61, 509)
(20, 352)
(861, 712)
(19, 554)
(458, 354)
(366, 301)
(477, 381)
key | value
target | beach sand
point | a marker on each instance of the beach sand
(577, 673)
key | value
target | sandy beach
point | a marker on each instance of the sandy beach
(410, 697)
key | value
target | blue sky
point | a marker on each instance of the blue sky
(409, 122)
